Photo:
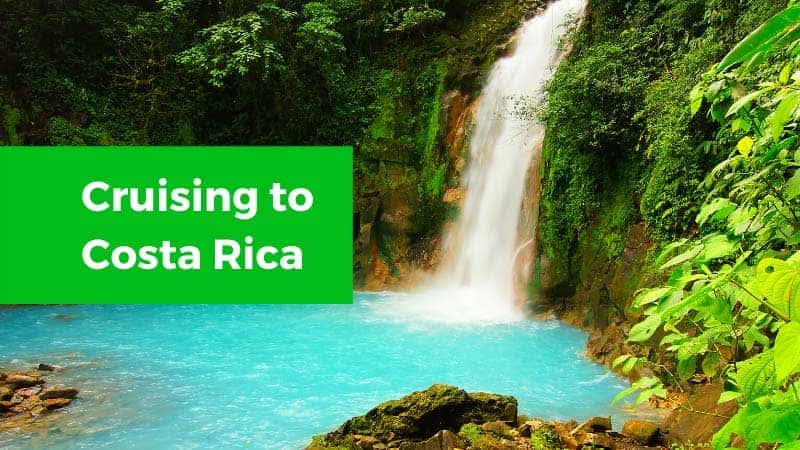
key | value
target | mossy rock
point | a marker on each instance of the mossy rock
(545, 437)
(422, 414)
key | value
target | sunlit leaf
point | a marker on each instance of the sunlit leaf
(783, 113)
(760, 39)
(756, 376)
(719, 208)
(745, 145)
(780, 282)
(645, 329)
(787, 351)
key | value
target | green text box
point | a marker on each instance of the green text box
(46, 224)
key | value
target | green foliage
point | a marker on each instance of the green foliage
(242, 46)
(414, 18)
(620, 125)
(471, 432)
(364, 73)
(733, 295)
(11, 120)
(546, 438)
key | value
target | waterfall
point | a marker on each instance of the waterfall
(476, 281)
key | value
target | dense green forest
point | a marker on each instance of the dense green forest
(362, 73)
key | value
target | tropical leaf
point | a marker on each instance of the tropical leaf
(787, 351)
(756, 376)
(779, 281)
(645, 329)
(717, 246)
(792, 187)
(761, 39)
(783, 113)
(719, 209)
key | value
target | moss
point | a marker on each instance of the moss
(321, 443)
(471, 432)
(545, 438)
(11, 120)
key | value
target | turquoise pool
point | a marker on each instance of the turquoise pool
(265, 376)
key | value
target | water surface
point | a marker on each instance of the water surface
(271, 376)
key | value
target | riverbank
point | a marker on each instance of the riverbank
(445, 418)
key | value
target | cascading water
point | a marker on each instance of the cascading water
(476, 281)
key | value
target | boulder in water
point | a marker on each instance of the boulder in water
(59, 392)
(419, 416)
(56, 403)
(21, 380)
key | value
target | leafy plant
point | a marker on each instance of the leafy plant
(731, 306)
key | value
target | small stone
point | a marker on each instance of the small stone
(29, 392)
(496, 427)
(443, 440)
(642, 432)
(6, 392)
(6, 405)
(59, 392)
(593, 425)
(47, 368)
(21, 380)
(56, 403)
(597, 440)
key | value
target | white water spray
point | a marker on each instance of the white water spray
(476, 282)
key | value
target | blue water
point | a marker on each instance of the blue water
(271, 376)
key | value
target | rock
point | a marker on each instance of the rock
(593, 425)
(29, 392)
(47, 368)
(366, 442)
(497, 427)
(6, 405)
(443, 440)
(642, 432)
(544, 436)
(424, 413)
(59, 392)
(563, 430)
(21, 380)
(56, 403)
(6, 392)
(597, 440)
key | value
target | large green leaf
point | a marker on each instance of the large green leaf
(686, 367)
(792, 187)
(756, 376)
(645, 329)
(758, 424)
(719, 209)
(780, 283)
(783, 113)
(717, 246)
(739, 104)
(787, 351)
(762, 38)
